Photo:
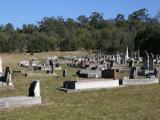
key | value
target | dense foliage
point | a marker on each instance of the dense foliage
(138, 31)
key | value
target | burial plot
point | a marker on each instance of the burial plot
(85, 85)
(139, 81)
(90, 73)
(18, 101)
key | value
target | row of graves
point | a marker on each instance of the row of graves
(46, 67)
(33, 97)
(97, 77)
(101, 74)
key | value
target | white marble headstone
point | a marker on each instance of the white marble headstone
(34, 89)
(37, 89)
(126, 56)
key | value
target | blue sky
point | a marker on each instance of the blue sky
(19, 12)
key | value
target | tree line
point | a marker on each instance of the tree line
(137, 31)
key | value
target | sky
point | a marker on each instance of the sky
(19, 12)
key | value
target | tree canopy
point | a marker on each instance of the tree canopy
(138, 31)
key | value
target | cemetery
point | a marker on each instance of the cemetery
(105, 76)
(79, 60)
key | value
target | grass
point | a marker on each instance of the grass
(127, 103)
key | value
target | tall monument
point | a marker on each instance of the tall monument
(127, 56)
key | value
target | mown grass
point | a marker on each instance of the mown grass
(127, 103)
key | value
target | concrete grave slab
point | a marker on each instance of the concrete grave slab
(140, 81)
(19, 101)
(86, 85)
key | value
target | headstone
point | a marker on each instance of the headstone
(127, 56)
(123, 60)
(1, 72)
(131, 63)
(30, 65)
(133, 73)
(151, 62)
(146, 61)
(155, 72)
(118, 59)
(111, 64)
(7, 76)
(109, 73)
(51, 64)
(64, 73)
(34, 89)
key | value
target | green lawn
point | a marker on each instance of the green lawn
(127, 103)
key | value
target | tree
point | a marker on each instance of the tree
(9, 27)
(120, 20)
(138, 18)
(96, 20)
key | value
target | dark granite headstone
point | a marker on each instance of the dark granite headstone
(109, 73)
(151, 63)
(69, 84)
(155, 72)
(133, 73)
(131, 63)
(51, 64)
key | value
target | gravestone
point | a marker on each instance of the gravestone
(7, 76)
(155, 72)
(34, 89)
(151, 63)
(123, 60)
(1, 72)
(30, 65)
(133, 73)
(126, 55)
(131, 63)
(51, 64)
(138, 53)
(146, 61)
(64, 73)
(111, 64)
(118, 59)
(110, 73)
